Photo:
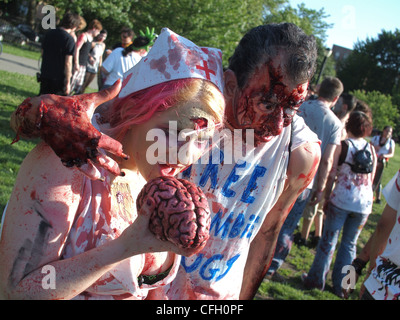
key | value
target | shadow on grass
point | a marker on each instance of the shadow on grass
(15, 91)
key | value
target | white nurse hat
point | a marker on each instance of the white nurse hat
(173, 57)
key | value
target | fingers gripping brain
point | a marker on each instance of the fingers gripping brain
(181, 214)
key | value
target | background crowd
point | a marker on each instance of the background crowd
(339, 200)
(75, 53)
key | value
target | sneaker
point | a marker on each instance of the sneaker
(314, 242)
(307, 284)
(298, 240)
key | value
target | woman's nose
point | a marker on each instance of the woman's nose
(189, 152)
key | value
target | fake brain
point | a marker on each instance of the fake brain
(181, 213)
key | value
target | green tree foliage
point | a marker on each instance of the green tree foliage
(312, 22)
(213, 23)
(383, 111)
(374, 64)
(113, 14)
(372, 68)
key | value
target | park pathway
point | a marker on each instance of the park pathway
(22, 65)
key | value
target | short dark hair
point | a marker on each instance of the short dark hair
(129, 31)
(141, 41)
(349, 100)
(330, 88)
(70, 20)
(137, 44)
(359, 124)
(265, 42)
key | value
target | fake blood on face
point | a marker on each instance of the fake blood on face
(268, 103)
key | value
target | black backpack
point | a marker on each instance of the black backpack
(362, 160)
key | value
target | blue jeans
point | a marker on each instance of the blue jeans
(336, 220)
(285, 238)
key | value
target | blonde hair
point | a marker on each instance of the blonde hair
(140, 106)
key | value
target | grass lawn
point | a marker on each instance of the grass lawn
(21, 51)
(14, 88)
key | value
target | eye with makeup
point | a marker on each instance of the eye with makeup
(263, 103)
(267, 105)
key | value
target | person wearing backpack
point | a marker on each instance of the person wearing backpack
(348, 204)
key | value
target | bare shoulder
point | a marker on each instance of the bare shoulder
(42, 164)
(304, 161)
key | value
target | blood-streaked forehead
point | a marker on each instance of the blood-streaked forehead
(270, 81)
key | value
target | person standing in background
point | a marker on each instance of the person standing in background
(58, 49)
(81, 55)
(121, 60)
(127, 36)
(321, 120)
(384, 147)
(348, 205)
(95, 59)
(318, 115)
(343, 107)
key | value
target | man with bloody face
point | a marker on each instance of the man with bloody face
(265, 83)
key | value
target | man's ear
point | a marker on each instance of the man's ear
(230, 83)
(334, 101)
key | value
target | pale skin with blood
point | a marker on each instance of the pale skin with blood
(35, 237)
(183, 116)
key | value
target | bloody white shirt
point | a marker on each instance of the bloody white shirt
(353, 191)
(240, 196)
(384, 281)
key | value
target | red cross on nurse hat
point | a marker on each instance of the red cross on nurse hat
(173, 57)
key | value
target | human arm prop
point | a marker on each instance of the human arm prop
(64, 123)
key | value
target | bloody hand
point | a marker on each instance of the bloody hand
(64, 123)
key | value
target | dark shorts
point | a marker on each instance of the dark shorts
(48, 86)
